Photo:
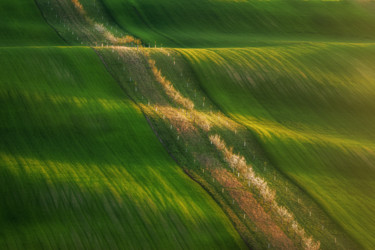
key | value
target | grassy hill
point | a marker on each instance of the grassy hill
(311, 106)
(80, 166)
(22, 24)
(301, 99)
(215, 23)
(185, 132)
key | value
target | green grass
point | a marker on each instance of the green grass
(194, 151)
(215, 23)
(81, 168)
(22, 24)
(311, 106)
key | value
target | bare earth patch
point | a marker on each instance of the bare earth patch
(253, 210)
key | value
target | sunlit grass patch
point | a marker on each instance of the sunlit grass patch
(311, 107)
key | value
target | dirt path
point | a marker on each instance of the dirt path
(251, 207)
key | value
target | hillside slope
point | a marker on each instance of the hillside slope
(81, 168)
(168, 90)
(22, 24)
(91, 165)
(294, 85)
(216, 23)
(311, 107)
(79, 165)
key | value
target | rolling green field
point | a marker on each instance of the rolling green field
(218, 23)
(311, 106)
(80, 167)
(194, 151)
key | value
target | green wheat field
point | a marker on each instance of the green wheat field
(187, 124)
